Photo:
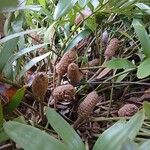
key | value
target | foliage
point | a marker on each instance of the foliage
(38, 33)
(113, 138)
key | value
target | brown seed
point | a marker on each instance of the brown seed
(113, 45)
(64, 92)
(40, 85)
(68, 57)
(127, 110)
(94, 62)
(74, 74)
(88, 104)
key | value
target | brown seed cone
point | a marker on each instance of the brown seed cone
(127, 110)
(64, 92)
(113, 45)
(74, 74)
(87, 106)
(68, 57)
(40, 85)
(94, 62)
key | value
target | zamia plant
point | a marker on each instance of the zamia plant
(119, 136)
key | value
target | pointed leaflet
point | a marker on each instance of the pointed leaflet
(108, 135)
(32, 63)
(145, 145)
(16, 100)
(114, 137)
(64, 130)
(119, 63)
(12, 36)
(143, 36)
(63, 7)
(83, 34)
(82, 3)
(146, 106)
(129, 145)
(143, 69)
(31, 138)
(22, 52)
(8, 3)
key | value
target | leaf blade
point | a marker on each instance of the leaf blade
(143, 36)
(23, 135)
(66, 132)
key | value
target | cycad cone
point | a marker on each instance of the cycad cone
(40, 85)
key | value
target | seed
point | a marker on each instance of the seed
(74, 74)
(113, 45)
(68, 57)
(40, 85)
(88, 104)
(64, 92)
(127, 110)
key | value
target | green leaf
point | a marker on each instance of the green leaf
(63, 7)
(3, 135)
(129, 145)
(64, 130)
(8, 3)
(15, 101)
(12, 36)
(31, 138)
(107, 137)
(120, 63)
(113, 138)
(82, 3)
(1, 116)
(143, 7)
(146, 106)
(27, 7)
(83, 34)
(42, 2)
(32, 63)
(6, 52)
(22, 52)
(143, 36)
(145, 145)
(143, 69)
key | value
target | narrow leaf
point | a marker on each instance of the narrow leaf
(145, 145)
(32, 63)
(8, 3)
(82, 3)
(12, 36)
(143, 7)
(143, 69)
(63, 7)
(22, 52)
(31, 138)
(3, 135)
(109, 141)
(16, 100)
(108, 135)
(7, 51)
(146, 106)
(129, 145)
(65, 131)
(143, 36)
(120, 63)
(27, 7)
(83, 34)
